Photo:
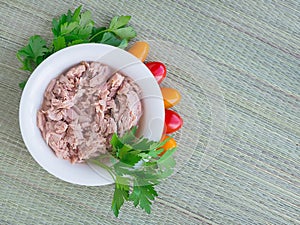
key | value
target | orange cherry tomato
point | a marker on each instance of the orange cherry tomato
(158, 70)
(173, 121)
(140, 50)
(171, 143)
(171, 96)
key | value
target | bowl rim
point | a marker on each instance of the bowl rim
(30, 99)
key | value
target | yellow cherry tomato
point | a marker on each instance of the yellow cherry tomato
(140, 50)
(171, 143)
(171, 96)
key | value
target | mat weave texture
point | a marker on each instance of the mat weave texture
(253, 51)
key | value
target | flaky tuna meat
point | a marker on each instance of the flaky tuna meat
(84, 106)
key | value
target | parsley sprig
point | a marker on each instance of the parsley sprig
(137, 169)
(71, 29)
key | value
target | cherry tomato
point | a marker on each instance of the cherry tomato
(171, 96)
(158, 70)
(140, 50)
(171, 143)
(164, 132)
(173, 121)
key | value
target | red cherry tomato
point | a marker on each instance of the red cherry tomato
(158, 70)
(164, 132)
(173, 121)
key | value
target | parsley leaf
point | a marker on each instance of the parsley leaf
(22, 84)
(125, 33)
(118, 22)
(74, 28)
(137, 169)
(123, 44)
(143, 195)
(116, 33)
(59, 43)
(33, 54)
(121, 194)
(128, 155)
(97, 34)
(110, 39)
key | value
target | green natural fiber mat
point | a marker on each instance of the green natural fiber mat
(237, 66)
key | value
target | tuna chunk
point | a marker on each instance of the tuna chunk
(84, 106)
(129, 106)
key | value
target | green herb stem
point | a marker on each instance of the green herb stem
(107, 168)
(97, 34)
(72, 29)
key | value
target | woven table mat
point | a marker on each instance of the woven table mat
(237, 66)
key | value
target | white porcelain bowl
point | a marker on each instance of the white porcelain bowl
(150, 125)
